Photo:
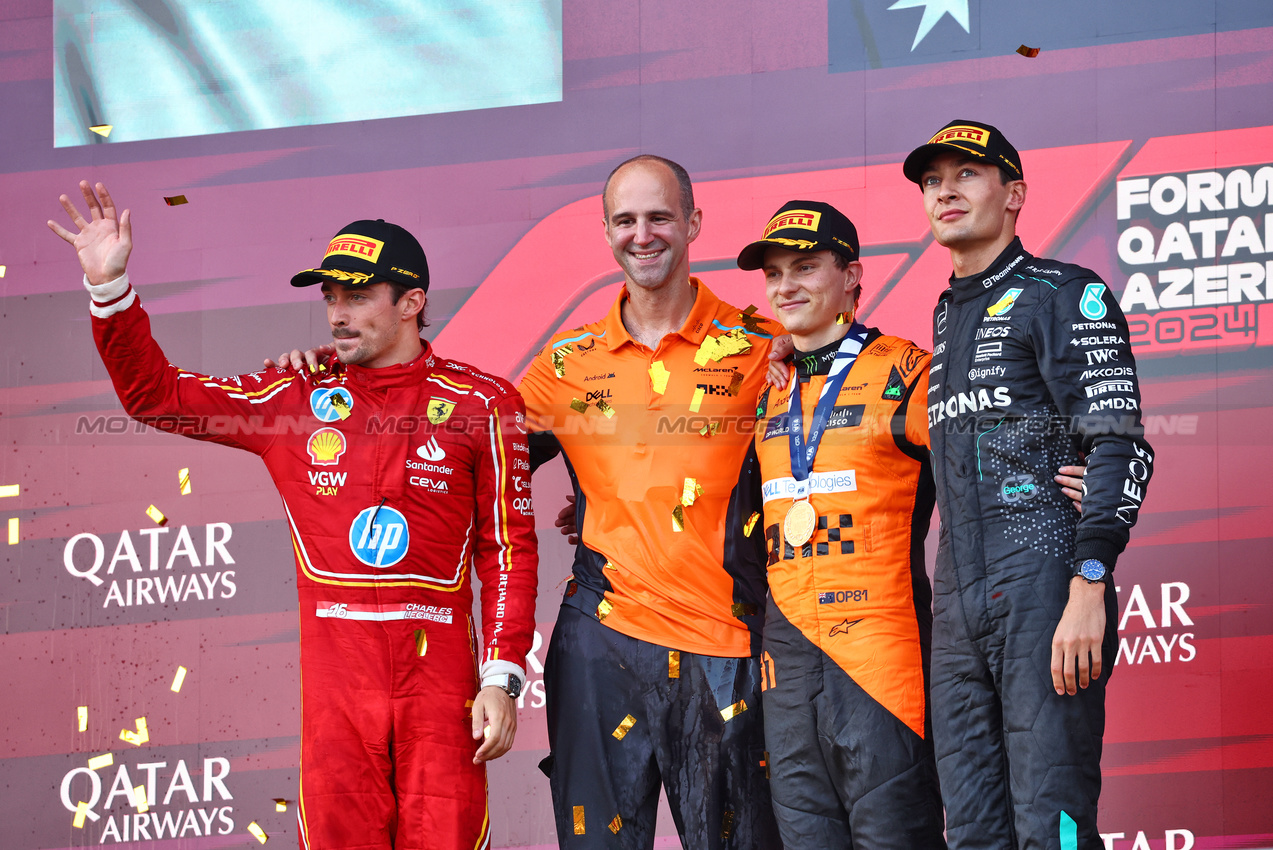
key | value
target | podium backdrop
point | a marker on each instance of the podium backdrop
(1146, 130)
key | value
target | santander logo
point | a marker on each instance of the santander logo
(431, 451)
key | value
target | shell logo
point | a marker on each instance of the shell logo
(325, 446)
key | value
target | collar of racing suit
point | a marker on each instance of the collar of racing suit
(967, 288)
(818, 362)
(388, 377)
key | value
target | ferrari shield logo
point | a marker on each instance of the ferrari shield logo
(439, 410)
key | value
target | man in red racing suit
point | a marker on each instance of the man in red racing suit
(398, 473)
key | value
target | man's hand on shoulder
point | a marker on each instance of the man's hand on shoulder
(102, 243)
(311, 361)
(495, 717)
(779, 372)
(1076, 644)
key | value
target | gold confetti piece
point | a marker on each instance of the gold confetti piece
(658, 377)
(742, 609)
(421, 643)
(559, 359)
(710, 429)
(141, 736)
(706, 351)
(280, 805)
(750, 524)
(139, 797)
(726, 825)
(81, 812)
(579, 406)
(734, 342)
(3, 269)
(339, 404)
(1028, 52)
(14, 537)
(623, 727)
(175, 200)
(690, 491)
(82, 712)
(730, 712)
(673, 664)
(609, 566)
(697, 401)
(604, 608)
(258, 832)
(178, 679)
(736, 383)
(678, 518)
(183, 481)
(579, 820)
(9, 490)
(98, 762)
(750, 320)
(605, 408)
(616, 824)
(102, 130)
(844, 318)
(157, 515)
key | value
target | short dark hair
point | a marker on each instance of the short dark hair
(398, 290)
(842, 263)
(682, 182)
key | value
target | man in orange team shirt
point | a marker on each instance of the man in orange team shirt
(652, 675)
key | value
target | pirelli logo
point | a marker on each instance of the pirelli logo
(355, 246)
(803, 219)
(961, 133)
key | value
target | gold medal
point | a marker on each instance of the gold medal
(799, 523)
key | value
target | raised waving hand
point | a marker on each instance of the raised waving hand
(103, 242)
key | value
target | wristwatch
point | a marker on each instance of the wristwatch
(1092, 571)
(507, 682)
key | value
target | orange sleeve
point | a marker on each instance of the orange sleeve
(917, 409)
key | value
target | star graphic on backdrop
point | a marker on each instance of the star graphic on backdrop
(933, 12)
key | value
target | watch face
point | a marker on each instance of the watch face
(514, 687)
(1092, 570)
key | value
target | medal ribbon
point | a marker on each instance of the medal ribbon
(803, 451)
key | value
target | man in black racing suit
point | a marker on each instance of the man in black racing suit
(1032, 369)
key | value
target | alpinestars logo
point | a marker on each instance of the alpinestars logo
(431, 451)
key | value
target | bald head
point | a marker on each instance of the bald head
(651, 161)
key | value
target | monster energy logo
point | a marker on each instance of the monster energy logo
(810, 363)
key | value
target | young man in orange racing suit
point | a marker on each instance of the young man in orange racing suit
(391, 705)
(1032, 367)
(848, 496)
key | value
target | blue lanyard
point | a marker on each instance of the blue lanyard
(802, 451)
